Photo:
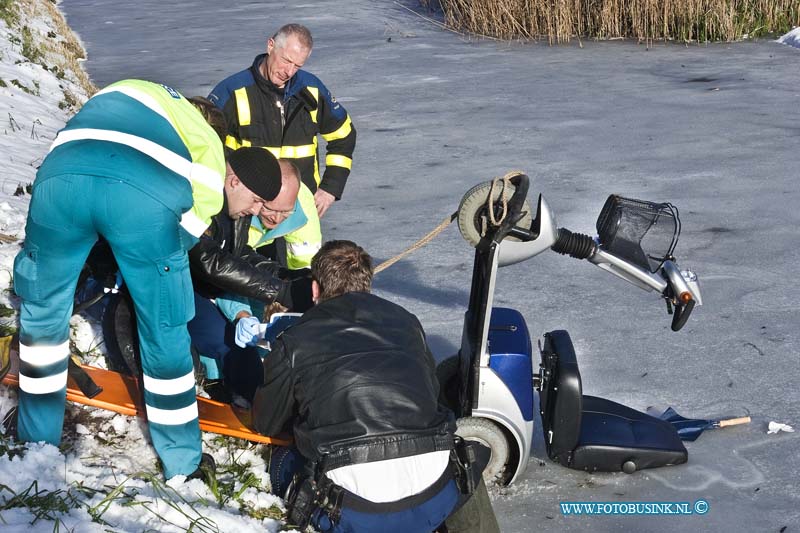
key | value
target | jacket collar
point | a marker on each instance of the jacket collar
(264, 84)
(292, 223)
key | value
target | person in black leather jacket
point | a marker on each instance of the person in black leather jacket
(356, 381)
(222, 263)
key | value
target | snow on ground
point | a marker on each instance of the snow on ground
(104, 476)
(792, 38)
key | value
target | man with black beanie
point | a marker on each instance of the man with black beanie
(222, 262)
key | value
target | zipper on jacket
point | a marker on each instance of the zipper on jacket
(279, 103)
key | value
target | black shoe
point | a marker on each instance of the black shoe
(216, 390)
(205, 471)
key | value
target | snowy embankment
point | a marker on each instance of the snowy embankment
(104, 477)
(792, 38)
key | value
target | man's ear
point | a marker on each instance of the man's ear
(229, 175)
(270, 45)
(315, 290)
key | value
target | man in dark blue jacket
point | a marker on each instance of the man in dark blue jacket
(275, 105)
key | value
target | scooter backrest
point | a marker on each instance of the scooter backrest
(560, 398)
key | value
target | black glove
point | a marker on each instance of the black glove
(296, 291)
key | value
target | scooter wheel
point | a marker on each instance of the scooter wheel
(473, 212)
(489, 434)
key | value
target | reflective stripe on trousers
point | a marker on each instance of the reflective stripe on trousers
(66, 215)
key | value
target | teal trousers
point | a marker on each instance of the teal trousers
(66, 215)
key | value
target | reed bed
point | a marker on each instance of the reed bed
(671, 20)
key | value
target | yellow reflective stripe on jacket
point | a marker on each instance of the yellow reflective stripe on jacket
(234, 144)
(298, 152)
(315, 93)
(276, 151)
(343, 131)
(242, 106)
(292, 152)
(333, 160)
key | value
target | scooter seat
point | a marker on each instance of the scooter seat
(613, 434)
(595, 434)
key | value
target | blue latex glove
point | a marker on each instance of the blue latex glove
(247, 331)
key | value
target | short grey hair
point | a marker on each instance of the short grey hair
(302, 33)
(289, 170)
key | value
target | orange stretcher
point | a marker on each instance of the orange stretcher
(121, 394)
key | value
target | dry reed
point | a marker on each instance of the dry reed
(679, 20)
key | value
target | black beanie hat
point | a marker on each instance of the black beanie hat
(258, 169)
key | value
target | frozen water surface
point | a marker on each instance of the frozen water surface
(711, 128)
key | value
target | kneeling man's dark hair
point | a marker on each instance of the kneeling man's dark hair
(340, 267)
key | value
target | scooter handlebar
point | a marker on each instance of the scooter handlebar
(679, 288)
(515, 205)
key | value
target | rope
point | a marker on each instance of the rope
(506, 180)
(419, 244)
(496, 221)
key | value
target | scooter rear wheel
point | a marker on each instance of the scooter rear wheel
(489, 434)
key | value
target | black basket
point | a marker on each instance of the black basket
(644, 233)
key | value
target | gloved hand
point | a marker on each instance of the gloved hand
(296, 292)
(291, 275)
(246, 331)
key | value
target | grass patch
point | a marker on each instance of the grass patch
(273, 513)
(57, 49)
(70, 101)
(43, 504)
(69, 47)
(8, 12)
(8, 324)
(679, 20)
(35, 91)
(29, 48)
